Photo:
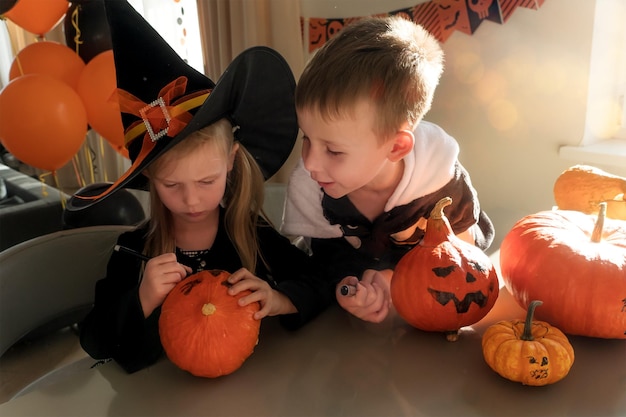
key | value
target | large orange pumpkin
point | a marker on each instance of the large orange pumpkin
(576, 264)
(203, 330)
(443, 283)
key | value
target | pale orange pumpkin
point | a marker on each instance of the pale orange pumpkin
(584, 187)
(203, 329)
(443, 283)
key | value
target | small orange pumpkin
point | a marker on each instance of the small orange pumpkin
(202, 328)
(443, 283)
(527, 351)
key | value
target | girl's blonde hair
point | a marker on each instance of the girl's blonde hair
(243, 197)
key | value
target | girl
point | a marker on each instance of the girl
(206, 191)
(189, 231)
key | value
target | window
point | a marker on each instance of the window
(177, 23)
(175, 20)
(604, 139)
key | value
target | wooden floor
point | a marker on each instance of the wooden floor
(28, 360)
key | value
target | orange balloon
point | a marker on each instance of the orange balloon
(49, 58)
(96, 86)
(37, 16)
(43, 122)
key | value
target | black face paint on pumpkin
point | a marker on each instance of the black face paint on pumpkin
(541, 372)
(462, 306)
(186, 289)
(544, 360)
(443, 271)
(469, 277)
(444, 297)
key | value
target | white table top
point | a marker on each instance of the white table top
(340, 366)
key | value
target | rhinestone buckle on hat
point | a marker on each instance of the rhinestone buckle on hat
(143, 113)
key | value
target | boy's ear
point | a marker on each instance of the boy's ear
(403, 142)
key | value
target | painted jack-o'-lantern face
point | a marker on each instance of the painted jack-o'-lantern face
(540, 371)
(443, 283)
(462, 302)
(528, 351)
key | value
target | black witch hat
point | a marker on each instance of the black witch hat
(163, 100)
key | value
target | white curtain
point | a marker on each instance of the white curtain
(230, 26)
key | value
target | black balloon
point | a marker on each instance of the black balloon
(120, 208)
(85, 24)
(6, 5)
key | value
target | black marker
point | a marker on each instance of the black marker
(129, 251)
(348, 290)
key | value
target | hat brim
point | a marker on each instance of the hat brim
(255, 92)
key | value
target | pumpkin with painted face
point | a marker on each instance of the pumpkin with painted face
(443, 283)
(528, 351)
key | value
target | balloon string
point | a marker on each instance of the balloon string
(62, 198)
(77, 40)
(88, 161)
(101, 143)
(19, 64)
(79, 178)
(44, 188)
(58, 187)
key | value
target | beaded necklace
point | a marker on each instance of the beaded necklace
(196, 259)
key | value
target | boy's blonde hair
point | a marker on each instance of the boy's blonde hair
(391, 61)
(243, 198)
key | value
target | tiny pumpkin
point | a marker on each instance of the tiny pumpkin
(584, 187)
(203, 329)
(528, 351)
(443, 283)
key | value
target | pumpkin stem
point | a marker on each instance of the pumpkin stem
(437, 211)
(208, 309)
(596, 235)
(528, 324)
(452, 335)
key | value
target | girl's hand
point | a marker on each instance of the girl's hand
(160, 275)
(372, 299)
(272, 302)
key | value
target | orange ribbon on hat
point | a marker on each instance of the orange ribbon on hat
(159, 119)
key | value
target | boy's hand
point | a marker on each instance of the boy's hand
(272, 302)
(371, 301)
(160, 275)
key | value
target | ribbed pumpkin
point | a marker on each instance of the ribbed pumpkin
(528, 351)
(576, 264)
(202, 328)
(443, 283)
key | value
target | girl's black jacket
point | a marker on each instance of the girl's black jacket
(116, 328)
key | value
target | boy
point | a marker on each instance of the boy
(371, 169)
